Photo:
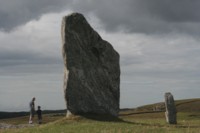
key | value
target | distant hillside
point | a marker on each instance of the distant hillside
(186, 105)
(4, 115)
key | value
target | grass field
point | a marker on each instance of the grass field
(129, 121)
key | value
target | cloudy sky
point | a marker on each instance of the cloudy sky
(158, 43)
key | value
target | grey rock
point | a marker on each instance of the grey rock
(92, 70)
(170, 113)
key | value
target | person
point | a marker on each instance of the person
(39, 114)
(32, 110)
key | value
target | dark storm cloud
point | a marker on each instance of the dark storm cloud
(147, 16)
(17, 12)
(173, 10)
(143, 16)
(151, 63)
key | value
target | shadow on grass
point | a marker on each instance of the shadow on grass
(102, 117)
(109, 118)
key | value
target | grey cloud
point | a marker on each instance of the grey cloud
(23, 51)
(18, 12)
(37, 42)
(145, 16)
(26, 57)
(166, 62)
(173, 10)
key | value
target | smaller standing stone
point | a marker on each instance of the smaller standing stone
(170, 113)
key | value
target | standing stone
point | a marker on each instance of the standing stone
(170, 113)
(92, 71)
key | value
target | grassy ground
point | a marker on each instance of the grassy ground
(141, 120)
(24, 119)
(136, 123)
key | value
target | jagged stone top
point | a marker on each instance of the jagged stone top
(76, 22)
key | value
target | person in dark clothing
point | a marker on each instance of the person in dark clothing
(32, 110)
(39, 114)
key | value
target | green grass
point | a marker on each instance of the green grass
(129, 121)
(24, 119)
(137, 123)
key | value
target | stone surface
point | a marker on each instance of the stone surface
(170, 113)
(92, 71)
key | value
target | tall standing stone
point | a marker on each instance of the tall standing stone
(170, 113)
(92, 71)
